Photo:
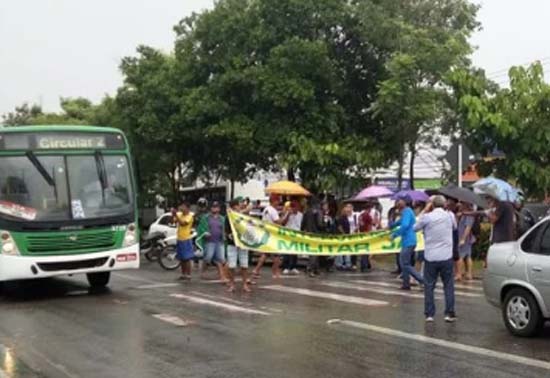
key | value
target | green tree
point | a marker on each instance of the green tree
(325, 88)
(429, 39)
(22, 115)
(512, 120)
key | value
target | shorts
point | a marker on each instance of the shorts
(184, 250)
(420, 256)
(235, 253)
(465, 251)
(214, 252)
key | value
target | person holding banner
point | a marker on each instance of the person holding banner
(271, 215)
(345, 227)
(407, 234)
(290, 262)
(235, 254)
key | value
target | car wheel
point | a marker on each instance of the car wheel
(98, 280)
(521, 313)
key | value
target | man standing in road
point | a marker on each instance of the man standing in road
(184, 245)
(214, 248)
(290, 262)
(438, 226)
(343, 262)
(408, 241)
(271, 215)
(235, 255)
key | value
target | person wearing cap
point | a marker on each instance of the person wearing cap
(438, 225)
(235, 255)
(405, 230)
(271, 215)
(214, 223)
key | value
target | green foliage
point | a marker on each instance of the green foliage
(483, 242)
(23, 115)
(514, 120)
(330, 89)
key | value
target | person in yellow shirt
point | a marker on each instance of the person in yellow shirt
(184, 247)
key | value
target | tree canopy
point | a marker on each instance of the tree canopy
(328, 89)
(514, 121)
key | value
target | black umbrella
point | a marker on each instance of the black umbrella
(463, 195)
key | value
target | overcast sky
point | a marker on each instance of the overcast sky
(69, 48)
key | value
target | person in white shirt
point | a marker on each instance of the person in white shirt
(271, 215)
(437, 225)
(294, 222)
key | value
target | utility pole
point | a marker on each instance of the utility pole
(460, 170)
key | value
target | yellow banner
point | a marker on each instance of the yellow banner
(253, 234)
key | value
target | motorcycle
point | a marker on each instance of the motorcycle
(168, 257)
(151, 245)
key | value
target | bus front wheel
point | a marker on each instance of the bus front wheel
(97, 280)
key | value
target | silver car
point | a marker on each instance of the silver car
(517, 280)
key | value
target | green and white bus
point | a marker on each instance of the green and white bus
(67, 203)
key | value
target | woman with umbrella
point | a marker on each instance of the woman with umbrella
(466, 240)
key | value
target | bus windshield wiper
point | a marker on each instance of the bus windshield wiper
(40, 168)
(101, 174)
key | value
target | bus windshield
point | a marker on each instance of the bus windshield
(64, 187)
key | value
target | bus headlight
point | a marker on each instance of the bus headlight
(130, 238)
(8, 244)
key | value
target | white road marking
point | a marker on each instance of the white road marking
(239, 279)
(172, 319)
(157, 286)
(132, 278)
(325, 295)
(76, 293)
(220, 298)
(346, 285)
(474, 287)
(225, 306)
(440, 291)
(447, 344)
(369, 274)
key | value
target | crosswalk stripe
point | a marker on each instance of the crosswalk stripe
(157, 286)
(325, 295)
(440, 291)
(225, 306)
(172, 319)
(346, 285)
(474, 287)
(239, 279)
(507, 357)
(220, 298)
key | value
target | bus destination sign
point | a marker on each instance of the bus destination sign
(65, 142)
(61, 141)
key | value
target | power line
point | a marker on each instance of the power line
(504, 71)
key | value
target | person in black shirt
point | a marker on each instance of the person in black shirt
(501, 217)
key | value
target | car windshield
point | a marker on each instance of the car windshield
(60, 188)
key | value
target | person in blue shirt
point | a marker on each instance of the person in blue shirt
(404, 228)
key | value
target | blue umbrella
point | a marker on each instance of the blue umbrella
(415, 195)
(497, 188)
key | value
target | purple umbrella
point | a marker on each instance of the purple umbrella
(373, 191)
(415, 195)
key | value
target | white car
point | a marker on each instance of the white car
(165, 225)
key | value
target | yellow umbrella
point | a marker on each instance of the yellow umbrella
(287, 188)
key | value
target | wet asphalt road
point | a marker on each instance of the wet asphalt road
(149, 325)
